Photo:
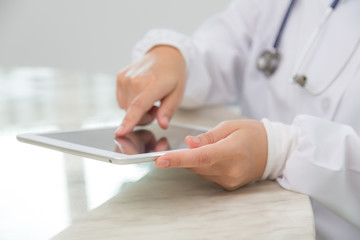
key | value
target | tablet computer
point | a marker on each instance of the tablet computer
(143, 144)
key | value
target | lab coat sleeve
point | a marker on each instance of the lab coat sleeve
(319, 158)
(215, 55)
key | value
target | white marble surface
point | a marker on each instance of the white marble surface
(50, 195)
(176, 204)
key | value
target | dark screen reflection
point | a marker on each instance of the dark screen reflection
(140, 141)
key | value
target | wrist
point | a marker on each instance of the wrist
(164, 37)
(169, 53)
(282, 141)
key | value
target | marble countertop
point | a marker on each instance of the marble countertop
(46, 194)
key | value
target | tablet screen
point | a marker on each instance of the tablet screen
(142, 140)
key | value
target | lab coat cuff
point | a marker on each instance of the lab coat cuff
(282, 140)
(168, 37)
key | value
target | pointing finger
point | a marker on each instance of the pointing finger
(138, 107)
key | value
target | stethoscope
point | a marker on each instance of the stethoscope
(269, 60)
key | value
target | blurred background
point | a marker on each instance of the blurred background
(58, 61)
(89, 36)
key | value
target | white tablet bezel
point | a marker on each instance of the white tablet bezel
(96, 153)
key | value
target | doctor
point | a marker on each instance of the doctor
(294, 68)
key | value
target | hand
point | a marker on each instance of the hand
(141, 141)
(159, 76)
(232, 154)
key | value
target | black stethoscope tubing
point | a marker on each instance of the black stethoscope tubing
(283, 23)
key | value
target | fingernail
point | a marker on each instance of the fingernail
(165, 120)
(120, 129)
(163, 163)
(196, 139)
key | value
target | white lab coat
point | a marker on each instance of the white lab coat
(317, 152)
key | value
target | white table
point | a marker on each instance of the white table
(47, 194)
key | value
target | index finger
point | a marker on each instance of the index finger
(140, 105)
(198, 157)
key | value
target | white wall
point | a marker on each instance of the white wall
(89, 35)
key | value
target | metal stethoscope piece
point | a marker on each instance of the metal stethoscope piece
(269, 60)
